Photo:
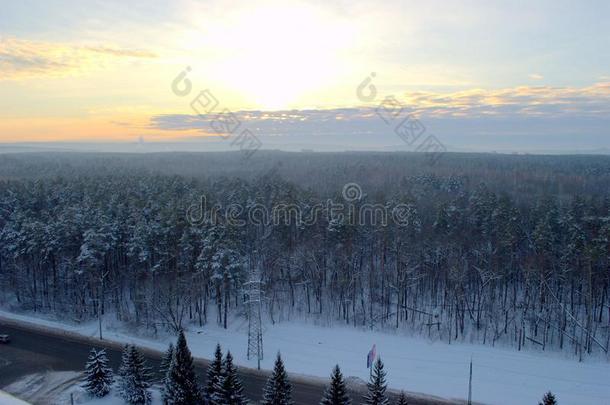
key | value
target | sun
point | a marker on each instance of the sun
(274, 55)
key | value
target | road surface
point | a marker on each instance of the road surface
(34, 350)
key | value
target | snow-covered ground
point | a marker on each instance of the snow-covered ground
(82, 398)
(44, 387)
(500, 376)
(7, 399)
(55, 388)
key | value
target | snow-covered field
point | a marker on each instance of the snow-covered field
(500, 376)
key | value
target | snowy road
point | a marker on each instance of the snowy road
(35, 350)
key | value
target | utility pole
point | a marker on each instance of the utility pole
(100, 301)
(255, 327)
(470, 384)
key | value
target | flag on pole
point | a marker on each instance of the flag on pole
(470, 384)
(370, 358)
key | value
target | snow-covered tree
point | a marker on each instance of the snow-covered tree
(124, 359)
(548, 399)
(402, 399)
(181, 384)
(336, 393)
(224, 264)
(230, 389)
(93, 251)
(134, 377)
(214, 376)
(278, 390)
(377, 386)
(520, 258)
(98, 375)
(166, 361)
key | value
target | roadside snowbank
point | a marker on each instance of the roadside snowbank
(500, 376)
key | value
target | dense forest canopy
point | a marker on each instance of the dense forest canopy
(509, 249)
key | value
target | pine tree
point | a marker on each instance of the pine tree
(98, 376)
(402, 399)
(230, 389)
(377, 386)
(278, 390)
(134, 377)
(548, 399)
(336, 394)
(181, 383)
(214, 376)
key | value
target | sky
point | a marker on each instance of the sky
(489, 75)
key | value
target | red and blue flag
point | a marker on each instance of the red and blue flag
(370, 358)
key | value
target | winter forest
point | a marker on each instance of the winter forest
(509, 250)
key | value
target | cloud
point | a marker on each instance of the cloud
(21, 58)
(593, 100)
(274, 123)
(523, 102)
(131, 53)
(536, 76)
(540, 117)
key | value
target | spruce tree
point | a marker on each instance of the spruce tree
(181, 383)
(98, 375)
(124, 368)
(165, 390)
(214, 377)
(336, 394)
(548, 399)
(278, 390)
(377, 386)
(402, 399)
(134, 378)
(166, 361)
(230, 389)
(124, 359)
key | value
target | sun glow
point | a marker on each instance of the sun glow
(274, 55)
